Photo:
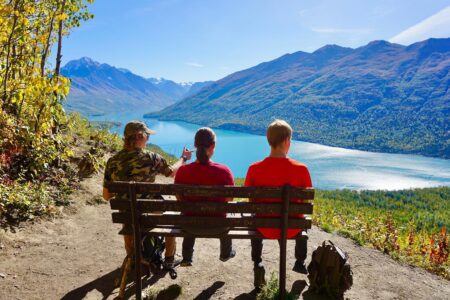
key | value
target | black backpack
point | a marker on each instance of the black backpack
(152, 249)
(329, 272)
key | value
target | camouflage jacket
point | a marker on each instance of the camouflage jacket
(136, 165)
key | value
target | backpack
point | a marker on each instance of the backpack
(152, 249)
(329, 271)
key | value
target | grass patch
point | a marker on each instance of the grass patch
(96, 200)
(171, 292)
(270, 290)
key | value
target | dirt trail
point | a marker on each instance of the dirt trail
(77, 257)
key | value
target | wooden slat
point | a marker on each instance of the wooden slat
(120, 204)
(168, 228)
(214, 221)
(121, 217)
(210, 191)
(126, 231)
(233, 234)
(117, 186)
(155, 220)
(215, 207)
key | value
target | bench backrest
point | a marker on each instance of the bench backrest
(145, 206)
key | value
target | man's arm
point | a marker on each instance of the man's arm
(176, 166)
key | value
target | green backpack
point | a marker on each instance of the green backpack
(329, 271)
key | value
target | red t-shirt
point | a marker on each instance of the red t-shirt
(210, 173)
(274, 171)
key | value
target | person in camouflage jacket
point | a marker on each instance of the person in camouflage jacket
(135, 163)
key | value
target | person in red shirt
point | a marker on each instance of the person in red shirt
(205, 172)
(277, 170)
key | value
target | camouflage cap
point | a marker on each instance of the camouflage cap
(135, 127)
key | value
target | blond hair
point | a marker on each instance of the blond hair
(277, 132)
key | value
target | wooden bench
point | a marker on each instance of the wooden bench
(242, 223)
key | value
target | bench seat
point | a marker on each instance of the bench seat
(237, 233)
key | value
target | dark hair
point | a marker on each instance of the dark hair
(204, 138)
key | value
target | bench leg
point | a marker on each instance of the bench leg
(125, 272)
(118, 280)
(282, 283)
(283, 242)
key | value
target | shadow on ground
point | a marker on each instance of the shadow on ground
(105, 286)
(296, 293)
(206, 294)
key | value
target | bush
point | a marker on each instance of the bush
(37, 178)
(24, 201)
(409, 225)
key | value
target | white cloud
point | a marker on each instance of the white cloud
(437, 26)
(195, 64)
(333, 30)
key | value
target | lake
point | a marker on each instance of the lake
(330, 167)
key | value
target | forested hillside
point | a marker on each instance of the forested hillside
(380, 97)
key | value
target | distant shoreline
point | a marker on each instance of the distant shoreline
(261, 132)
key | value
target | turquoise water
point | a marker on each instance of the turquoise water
(330, 167)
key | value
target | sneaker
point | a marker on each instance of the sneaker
(186, 263)
(259, 276)
(300, 267)
(231, 255)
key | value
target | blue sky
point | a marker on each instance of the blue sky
(197, 40)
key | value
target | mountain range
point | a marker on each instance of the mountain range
(379, 97)
(98, 88)
(178, 91)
